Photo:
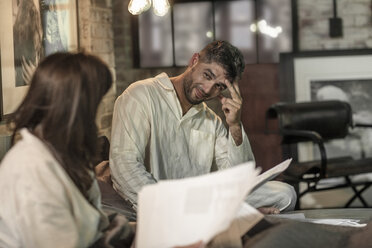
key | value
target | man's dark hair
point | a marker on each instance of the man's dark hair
(226, 55)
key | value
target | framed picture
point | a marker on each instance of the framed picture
(31, 30)
(339, 75)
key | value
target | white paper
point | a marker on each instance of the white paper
(336, 222)
(272, 173)
(180, 212)
(245, 219)
(294, 216)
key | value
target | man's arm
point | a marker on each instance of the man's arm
(227, 153)
(236, 134)
(129, 137)
(236, 148)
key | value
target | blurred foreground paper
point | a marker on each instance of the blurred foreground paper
(245, 219)
(181, 212)
(272, 173)
(185, 211)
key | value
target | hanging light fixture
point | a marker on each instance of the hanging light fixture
(160, 7)
(136, 7)
(335, 23)
(264, 28)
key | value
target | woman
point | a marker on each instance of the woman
(48, 193)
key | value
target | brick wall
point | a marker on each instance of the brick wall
(125, 72)
(314, 28)
(97, 36)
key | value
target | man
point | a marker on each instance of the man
(162, 129)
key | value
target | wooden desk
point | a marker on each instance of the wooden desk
(362, 214)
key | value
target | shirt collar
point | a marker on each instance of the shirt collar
(165, 82)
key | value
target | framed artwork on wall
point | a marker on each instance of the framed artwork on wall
(344, 75)
(31, 30)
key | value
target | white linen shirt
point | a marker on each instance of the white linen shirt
(40, 205)
(151, 140)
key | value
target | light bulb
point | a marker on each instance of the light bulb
(253, 27)
(136, 7)
(209, 34)
(161, 7)
(265, 28)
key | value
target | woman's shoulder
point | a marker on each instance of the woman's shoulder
(27, 147)
(28, 155)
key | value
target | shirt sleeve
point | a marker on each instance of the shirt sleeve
(129, 138)
(227, 153)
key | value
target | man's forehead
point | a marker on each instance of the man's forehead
(216, 69)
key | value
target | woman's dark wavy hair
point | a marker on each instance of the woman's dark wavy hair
(60, 108)
(227, 56)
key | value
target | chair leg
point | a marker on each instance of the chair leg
(296, 187)
(300, 194)
(357, 193)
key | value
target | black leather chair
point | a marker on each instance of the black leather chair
(318, 122)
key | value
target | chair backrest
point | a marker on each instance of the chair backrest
(330, 119)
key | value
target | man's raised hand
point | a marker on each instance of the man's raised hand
(231, 107)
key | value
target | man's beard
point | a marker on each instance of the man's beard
(187, 89)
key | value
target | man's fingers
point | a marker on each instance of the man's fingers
(221, 98)
(225, 109)
(238, 101)
(231, 88)
(235, 93)
(231, 103)
(230, 107)
(236, 86)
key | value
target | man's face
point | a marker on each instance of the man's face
(204, 82)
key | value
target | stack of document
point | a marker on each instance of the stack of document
(182, 212)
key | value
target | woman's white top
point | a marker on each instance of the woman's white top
(40, 206)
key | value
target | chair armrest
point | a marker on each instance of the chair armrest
(308, 135)
(315, 138)
(362, 125)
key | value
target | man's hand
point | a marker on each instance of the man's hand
(231, 107)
